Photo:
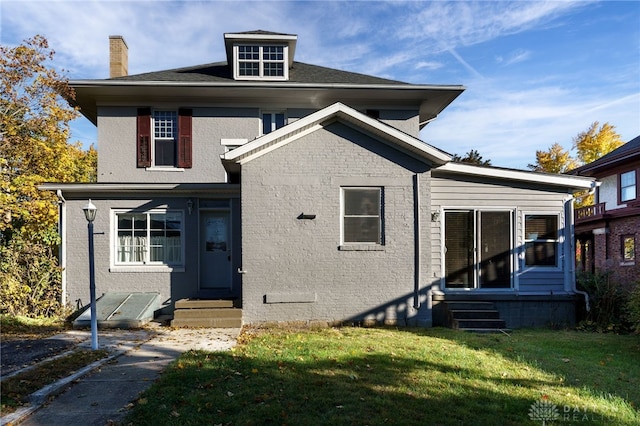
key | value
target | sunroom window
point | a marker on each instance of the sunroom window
(149, 238)
(541, 240)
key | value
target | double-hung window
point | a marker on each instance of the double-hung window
(272, 121)
(165, 127)
(628, 186)
(149, 238)
(164, 138)
(541, 240)
(362, 221)
(261, 61)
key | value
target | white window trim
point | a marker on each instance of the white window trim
(115, 266)
(261, 76)
(559, 243)
(163, 168)
(362, 246)
(515, 267)
(634, 185)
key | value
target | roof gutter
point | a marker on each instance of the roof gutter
(576, 183)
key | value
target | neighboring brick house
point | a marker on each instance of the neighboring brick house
(304, 193)
(608, 232)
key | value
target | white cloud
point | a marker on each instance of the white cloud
(515, 57)
(429, 65)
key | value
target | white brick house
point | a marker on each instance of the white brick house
(305, 194)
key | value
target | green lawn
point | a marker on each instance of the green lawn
(371, 376)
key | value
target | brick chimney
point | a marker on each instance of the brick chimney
(118, 57)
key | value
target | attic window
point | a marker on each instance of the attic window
(261, 62)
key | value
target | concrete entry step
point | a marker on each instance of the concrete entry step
(206, 313)
(121, 310)
(203, 304)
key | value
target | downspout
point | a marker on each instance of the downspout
(570, 271)
(62, 252)
(416, 245)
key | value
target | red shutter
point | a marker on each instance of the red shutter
(143, 143)
(184, 138)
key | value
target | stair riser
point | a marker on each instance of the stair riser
(210, 322)
(478, 306)
(207, 313)
(475, 315)
(203, 304)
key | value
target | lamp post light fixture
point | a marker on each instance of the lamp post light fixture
(90, 214)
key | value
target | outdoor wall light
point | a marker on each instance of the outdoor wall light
(189, 205)
(435, 216)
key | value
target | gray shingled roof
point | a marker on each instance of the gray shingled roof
(221, 72)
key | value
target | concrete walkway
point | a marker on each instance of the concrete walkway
(101, 394)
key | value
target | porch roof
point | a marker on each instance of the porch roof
(86, 190)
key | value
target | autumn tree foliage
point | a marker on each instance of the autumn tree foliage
(34, 133)
(590, 145)
(596, 142)
(555, 160)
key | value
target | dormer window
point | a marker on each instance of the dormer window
(260, 55)
(260, 62)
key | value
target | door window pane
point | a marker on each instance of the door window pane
(495, 249)
(458, 248)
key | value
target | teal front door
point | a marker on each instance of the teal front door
(215, 250)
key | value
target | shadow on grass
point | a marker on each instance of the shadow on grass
(316, 386)
(603, 366)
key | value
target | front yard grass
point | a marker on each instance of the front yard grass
(372, 376)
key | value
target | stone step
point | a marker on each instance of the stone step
(208, 322)
(474, 314)
(231, 313)
(203, 304)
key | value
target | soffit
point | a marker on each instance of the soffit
(430, 100)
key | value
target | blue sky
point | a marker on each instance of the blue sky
(536, 72)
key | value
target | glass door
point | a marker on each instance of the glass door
(478, 249)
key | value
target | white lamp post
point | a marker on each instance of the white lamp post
(90, 214)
